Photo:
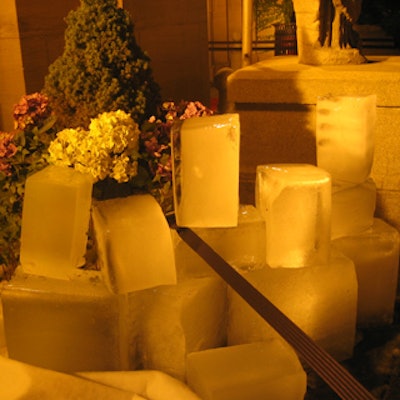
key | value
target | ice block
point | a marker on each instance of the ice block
(345, 136)
(376, 257)
(353, 208)
(206, 171)
(295, 201)
(320, 299)
(242, 246)
(23, 381)
(180, 319)
(263, 370)
(55, 221)
(72, 325)
(134, 243)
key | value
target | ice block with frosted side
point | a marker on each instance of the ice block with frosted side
(180, 319)
(205, 154)
(242, 246)
(73, 325)
(134, 243)
(263, 370)
(320, 299)
(295, 201)
(55, 221)
(375, 254)
(345, 136)
(353, 208)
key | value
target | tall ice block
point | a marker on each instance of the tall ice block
(375, 253)
(295, 201)
(69, 325)
(134, 243)
(55, 221)
(180, 319)
(345, 140)
(320, 299)
(263, 370)
(206, 171)
(242, 246)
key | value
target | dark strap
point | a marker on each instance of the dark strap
(336, 376)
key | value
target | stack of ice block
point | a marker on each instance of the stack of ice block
(55, 221)
(313, 286)
(345, 146)
(206, 171)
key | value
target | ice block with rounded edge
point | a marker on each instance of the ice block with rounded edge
(345, 136)
(295, 201)
(263, 370)
(134, 243)
(23, 381)
(205, 155)
(375, 253)
(55, 221)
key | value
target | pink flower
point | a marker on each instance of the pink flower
(7, 150)
(32, 110)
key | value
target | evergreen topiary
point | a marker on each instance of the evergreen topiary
(101, 69)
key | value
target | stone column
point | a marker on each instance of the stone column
(12, 81)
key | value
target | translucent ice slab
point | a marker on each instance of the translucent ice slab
(375, 253)
(242, 246)
(353, 208)
(321, 300)
(180, 319)
(295, 201)
(23, 381)
(134, 243)
(263, 370)
(345, 140)
(206, 171)
(72, 325)
(55, 221)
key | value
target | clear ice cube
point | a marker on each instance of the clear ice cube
(375, 254)
(55, 221)
(345, 136)
(206, 171)
(263, 370)
(295, 201)
(320, 299)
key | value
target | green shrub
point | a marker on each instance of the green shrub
(101, 69)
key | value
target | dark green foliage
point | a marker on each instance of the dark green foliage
(102, 67)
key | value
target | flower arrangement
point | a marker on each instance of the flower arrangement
(22, 152)
(109, 149)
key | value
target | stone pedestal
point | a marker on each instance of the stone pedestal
(276, 101)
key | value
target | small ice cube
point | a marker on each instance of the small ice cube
(345, 136)
(295, 201)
